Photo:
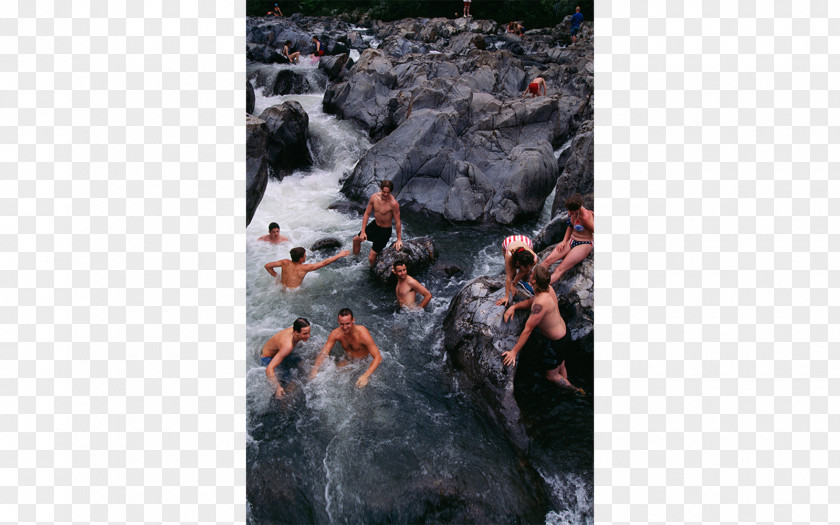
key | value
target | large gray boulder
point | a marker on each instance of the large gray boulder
(288, 134)
(475, 336)
(335, 66)
(256, 174)
(578, 174)
(481, 160)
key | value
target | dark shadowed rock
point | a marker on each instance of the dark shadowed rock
(578, 174)
(327, 244)
(418, 254)
(347, 207)
(288, 81)
(256, 174)
(475, 337)
(447, 269)
(334, 66)
(288, 133)
(250, 98)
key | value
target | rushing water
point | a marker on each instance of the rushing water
(410, 446)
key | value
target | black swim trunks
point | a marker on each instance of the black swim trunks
(378, 235)
(556, 352)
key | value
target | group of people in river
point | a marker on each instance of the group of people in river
(522, 268)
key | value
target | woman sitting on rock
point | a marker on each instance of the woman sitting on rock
(519, 259)
(577, 243)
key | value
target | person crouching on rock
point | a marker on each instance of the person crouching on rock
(546, 315)
(519, 259)
(385, 210)
(534, 88)
(577, 243)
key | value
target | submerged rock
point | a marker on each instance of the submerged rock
(327, 244)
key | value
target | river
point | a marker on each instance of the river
(410, 446)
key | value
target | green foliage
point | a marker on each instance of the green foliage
(533, 14)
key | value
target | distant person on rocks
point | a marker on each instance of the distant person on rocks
(519, 259)
(385, 210)
(546, 315)
(319, 47)
(467, 8)
(279, 346)
(293, 271)
(277, 11)
(291, 57)
(357, 344)
(577, 243)
(408, 287)
(577, 20)
(534, 88)
(273, 236)
(516, 28)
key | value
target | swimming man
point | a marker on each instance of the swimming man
(357, 344)
(408, 287)
(293, 271)
(279, 346)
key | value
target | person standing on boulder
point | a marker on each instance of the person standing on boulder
(535, 86)
(357, 344)
(519, 259)
(273, 236)
(278, 348)
(577, 242)
(385, 210)
(293, 271)
(467, 8)
(546, 315)
(577, 20)
(408, 287)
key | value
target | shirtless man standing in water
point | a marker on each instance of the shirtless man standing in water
(385, 209)
(357, 344)
(408, 287)
(292, 271)
(278, 348)
(546, 315)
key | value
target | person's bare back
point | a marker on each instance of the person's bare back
(292, 271)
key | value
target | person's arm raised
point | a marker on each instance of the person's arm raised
(537, 313)
(329, 260)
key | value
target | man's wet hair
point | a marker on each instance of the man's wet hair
(299, 324)
(386, 184)
(399, 263)
(273, 225)
(574, 202)
(542, 278)
(523, 257)
(297, 253)
(346, 311)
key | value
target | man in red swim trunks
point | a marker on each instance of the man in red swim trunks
(534, 88)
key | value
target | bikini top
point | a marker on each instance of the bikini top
(577, 225)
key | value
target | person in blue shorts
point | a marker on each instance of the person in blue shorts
(577, 20)
(279, 347)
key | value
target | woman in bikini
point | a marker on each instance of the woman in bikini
(577, 243)
(519, 259)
